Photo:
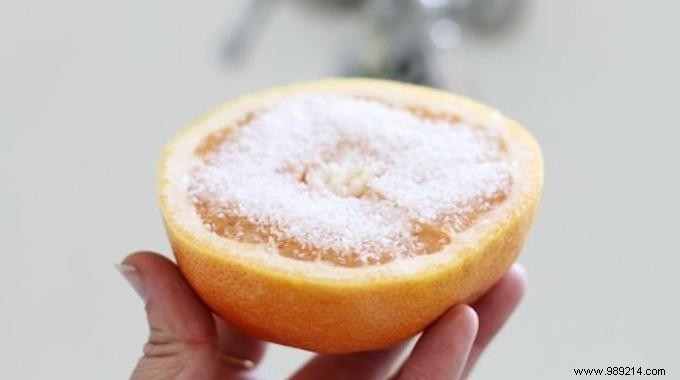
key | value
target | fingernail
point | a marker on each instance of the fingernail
(134, 278)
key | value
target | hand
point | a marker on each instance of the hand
(187, 341)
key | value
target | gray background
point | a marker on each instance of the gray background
(90, 91)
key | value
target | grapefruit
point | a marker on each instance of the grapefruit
(346, 215)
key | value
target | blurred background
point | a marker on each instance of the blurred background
(90, 91)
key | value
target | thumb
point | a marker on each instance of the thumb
(182, 339)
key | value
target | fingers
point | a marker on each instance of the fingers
(442, 350)
(360, 365)
(174, 312)
(494, 308)
(183, 340)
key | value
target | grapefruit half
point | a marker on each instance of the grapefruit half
(345, 215)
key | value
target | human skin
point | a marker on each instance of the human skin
(186, 341)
